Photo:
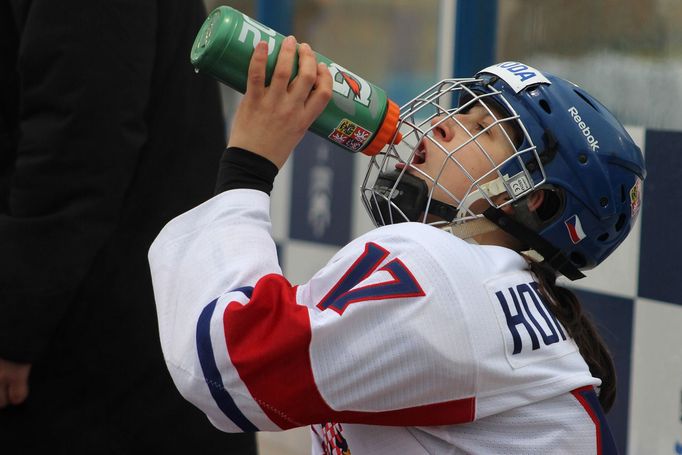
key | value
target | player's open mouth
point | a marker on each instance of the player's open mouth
(418, 157)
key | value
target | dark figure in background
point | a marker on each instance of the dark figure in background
(105, 135)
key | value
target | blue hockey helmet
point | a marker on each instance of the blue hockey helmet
(570, 146)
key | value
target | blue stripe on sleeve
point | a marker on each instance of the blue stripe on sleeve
(212, 374)
(246, 290)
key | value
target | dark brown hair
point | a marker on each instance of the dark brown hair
(568, 310)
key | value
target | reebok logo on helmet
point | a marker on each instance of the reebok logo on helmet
(594, 144)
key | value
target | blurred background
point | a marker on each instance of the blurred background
(627, 53)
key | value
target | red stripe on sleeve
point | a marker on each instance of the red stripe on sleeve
(268, 342)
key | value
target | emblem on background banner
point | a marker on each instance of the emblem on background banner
(575, 229)
(321, 198)
(320, 194)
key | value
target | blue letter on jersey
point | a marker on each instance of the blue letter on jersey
(513, 321)
(522, 293)
(343, 293)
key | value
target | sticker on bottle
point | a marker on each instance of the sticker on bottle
(350, 135)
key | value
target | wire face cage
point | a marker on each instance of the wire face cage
(464, 148)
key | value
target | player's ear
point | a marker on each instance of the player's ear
(535, 200)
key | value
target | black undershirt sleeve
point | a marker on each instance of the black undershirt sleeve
(240, 168)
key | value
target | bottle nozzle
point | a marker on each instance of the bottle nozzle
(387, 132)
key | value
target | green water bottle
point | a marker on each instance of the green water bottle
(359, 116)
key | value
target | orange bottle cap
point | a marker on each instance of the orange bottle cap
(386, 131)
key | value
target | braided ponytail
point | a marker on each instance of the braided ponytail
(568, 310)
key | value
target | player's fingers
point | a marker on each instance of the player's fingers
(321, 93)
(307, 73)
(3, 395)
(17, 391)
(255, 83)
(285, 63)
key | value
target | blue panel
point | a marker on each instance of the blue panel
(613, 318)
(475, 36)
(660, 269)
(321, 192)
(276, 14)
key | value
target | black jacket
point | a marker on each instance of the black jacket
(106, 134)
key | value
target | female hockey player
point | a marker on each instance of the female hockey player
(440, 331)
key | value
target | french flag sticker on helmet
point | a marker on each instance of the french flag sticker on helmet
(575, 229)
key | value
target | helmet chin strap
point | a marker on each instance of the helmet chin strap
(524, 227)
(551, 255)
(489, 189)
(467, 230)
(494, 218)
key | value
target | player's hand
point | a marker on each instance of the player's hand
(13, 382)
(271, 120)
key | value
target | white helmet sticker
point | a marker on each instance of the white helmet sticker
(517, 75)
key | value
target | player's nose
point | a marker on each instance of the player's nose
(443, 127)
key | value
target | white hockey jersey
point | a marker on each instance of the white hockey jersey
(408, 341)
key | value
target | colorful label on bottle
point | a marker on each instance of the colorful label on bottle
(350, 135)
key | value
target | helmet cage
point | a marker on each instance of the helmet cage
(517, 175)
